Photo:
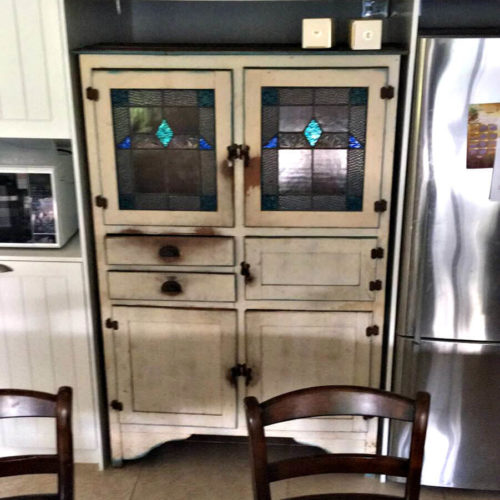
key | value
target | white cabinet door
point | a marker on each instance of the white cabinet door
(33, 91)
(44, 344)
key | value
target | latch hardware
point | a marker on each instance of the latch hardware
(377, 253)
(116, 405)
(240, 370)
(92, 94)
(245, 271)
(375, 285)
(372, 331)
(387, 92)
(380, 206)
(111, 324)
(101, 201)
(238, 152)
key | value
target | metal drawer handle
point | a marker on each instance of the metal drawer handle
(5, 269)
(169, 251)
(171, 287)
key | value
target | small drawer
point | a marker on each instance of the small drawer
(203, 287)
(170, 250)
(310, 268)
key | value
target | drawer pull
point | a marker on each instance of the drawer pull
(169, 252)
(5, 269)
(171, 287)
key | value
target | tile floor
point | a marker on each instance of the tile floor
(198, 469)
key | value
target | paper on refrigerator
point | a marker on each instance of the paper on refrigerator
(495, 179)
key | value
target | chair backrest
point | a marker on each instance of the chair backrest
(336, 400)
(15, 403)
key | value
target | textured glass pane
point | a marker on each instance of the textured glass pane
(329, 171)
(269, 202)
(145, 141)
(295, 96)
(332, 118)
(125, 171)
(121, 125)
(357, 123)
(182, 171)
(332, 95)
(355, 172)
(208, 203)
(359, 96)
(119, 97)
(333, 141)
(331, 203)
(185, 203)
(294, 118)
(207, 124)
(126, 201)
(180, 97)
(151, 201)
(269, 96)
(294, 171)
(269, 123)
(208, 173)
(145, 120)
(206, 98)
(184, 142)
(149, 178)
(183, 120)
(293, 141)
(144, 97)
(290, 202)
(270, 172)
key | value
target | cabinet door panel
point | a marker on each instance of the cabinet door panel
(316, 141)
(294, 350)
(172, 366)
(162, 138)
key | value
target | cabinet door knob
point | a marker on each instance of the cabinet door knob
(171, 287)
(169, 251)
(5, 269)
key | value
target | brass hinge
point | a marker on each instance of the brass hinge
(240, 370)
(238, 152)
(377, 253)
(116, 405)
(112, 325)
(387, 92)
(92, 94)
(375, 285)
(372, 331)
(101, 201)
(380, 206)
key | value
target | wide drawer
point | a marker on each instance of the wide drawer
(310, 268)
(204, 287)
(170, 250)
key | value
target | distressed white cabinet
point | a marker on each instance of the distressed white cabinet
(44, 344)
(34, 98)
(241, 223)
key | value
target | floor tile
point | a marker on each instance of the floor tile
(457, 494)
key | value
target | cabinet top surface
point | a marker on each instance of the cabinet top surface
(155, 49)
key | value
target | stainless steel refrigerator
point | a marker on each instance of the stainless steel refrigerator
(448, 323)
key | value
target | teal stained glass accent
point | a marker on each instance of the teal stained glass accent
(354, 143)
(269, 96)
(354, 203)
(206, 98)
(208, 203)
(313, 132)
(204, 144)
(269, 202)
(164, 133)
(359, 96)
(125, 144)
(272, 144)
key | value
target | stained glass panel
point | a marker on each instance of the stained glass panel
(165, 149)
(313, 148)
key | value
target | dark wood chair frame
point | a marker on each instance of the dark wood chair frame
(331, 401)
(21, 403)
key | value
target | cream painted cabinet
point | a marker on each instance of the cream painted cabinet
(241, 220)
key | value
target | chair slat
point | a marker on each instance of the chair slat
(28, 464)
(17, 403)
(338, 463)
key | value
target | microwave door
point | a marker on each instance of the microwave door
(15, 224)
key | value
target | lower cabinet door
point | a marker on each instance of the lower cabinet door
(172, 366)
(294, 350)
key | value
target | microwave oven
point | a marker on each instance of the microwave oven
(37, 205)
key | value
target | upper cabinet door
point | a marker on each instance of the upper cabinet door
(162, 138)
(33, 91)
(316, 145)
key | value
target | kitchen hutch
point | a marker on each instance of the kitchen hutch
(241, 202)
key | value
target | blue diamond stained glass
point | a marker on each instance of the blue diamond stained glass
(204, 144)
(164, 133)
(354, 143)
(125, 144)
(273, 143)
(313, 132)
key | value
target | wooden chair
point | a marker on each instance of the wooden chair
(21, 403)
(336, 400)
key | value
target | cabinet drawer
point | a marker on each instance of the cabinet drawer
(310, 268)
(170, 250)
(205, 287)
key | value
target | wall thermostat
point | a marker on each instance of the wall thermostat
(366, 34)
(317, 33)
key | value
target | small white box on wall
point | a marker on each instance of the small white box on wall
(317, 33)
(366, 34)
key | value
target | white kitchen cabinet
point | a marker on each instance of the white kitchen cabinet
(34, 97)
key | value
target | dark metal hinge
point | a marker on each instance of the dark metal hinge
(238, 152)
(387, 92)
(116, 405)
(372, 331)
(380, 206)
(101, 201)
(377, 253)
(240, 370)
(112, 325)
(375, 285)
(245, 271)
(92, 94)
